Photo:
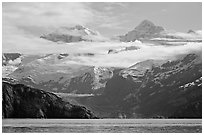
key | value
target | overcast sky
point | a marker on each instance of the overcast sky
(25, 21)
(108, 18)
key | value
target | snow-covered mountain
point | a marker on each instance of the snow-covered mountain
(151, 73)
(151, 88)
(52, 73)
(80, 73)
(147, 31)
(11, 61)
(74, 34)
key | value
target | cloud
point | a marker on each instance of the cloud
(117, 4)
(46, 14)
(107, 14)
(112, 25)
(15, 62)
(127, 58)
(24, 23)
(196, 35)
(109, 21)
(164, 10)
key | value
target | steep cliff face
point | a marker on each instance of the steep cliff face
(20, 101)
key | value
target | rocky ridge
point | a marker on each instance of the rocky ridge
(20, 101)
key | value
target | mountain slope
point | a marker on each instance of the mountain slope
(20, 101)
(54, 73)
(170, 89)
(11, 61)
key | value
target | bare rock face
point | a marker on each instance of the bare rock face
(20, 101)
(144, 30)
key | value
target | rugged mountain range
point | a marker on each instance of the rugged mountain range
(148, 89)
(153, 89)
(20, 101)
(146, 31)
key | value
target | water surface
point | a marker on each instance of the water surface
(103, 125)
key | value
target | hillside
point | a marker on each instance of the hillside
(20, 101)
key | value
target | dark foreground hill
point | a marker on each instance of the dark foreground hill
(20, 101)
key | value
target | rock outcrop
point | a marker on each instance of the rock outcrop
(20, 101)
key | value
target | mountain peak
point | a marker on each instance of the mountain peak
(145, 30)
(76, 27)
(145, 23)
(75, 33)
(191, 31)
(79, 27)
